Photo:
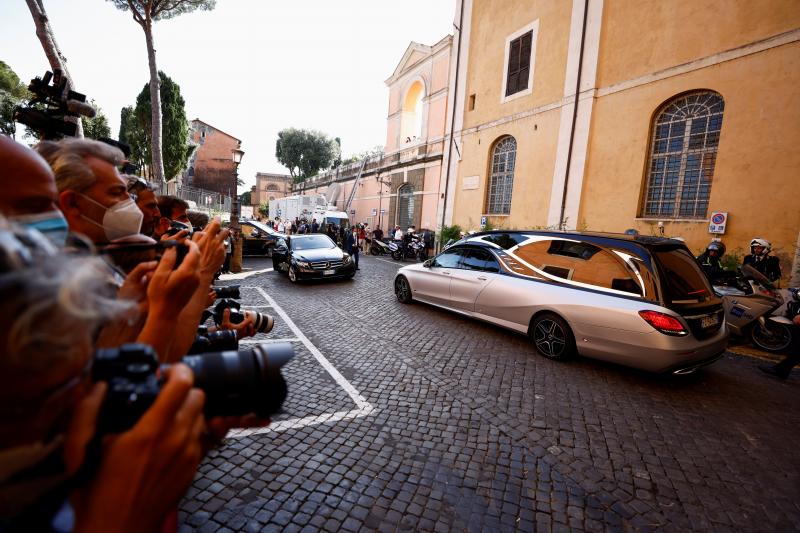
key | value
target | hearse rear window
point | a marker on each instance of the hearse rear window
(684, 282)
(505, 240)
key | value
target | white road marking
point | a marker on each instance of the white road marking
(364, 408)
(390, 262)
(243, 275)
(267, 341)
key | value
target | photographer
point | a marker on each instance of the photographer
(145, 197)
(30, 197)
(52, 305)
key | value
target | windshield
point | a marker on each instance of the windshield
(336, 221)
(683, 281)
(312, 242)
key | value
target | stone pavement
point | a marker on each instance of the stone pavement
(462, 427)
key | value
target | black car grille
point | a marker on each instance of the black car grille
(696, 323)
(327, 265)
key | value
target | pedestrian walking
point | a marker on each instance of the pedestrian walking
(352, 244)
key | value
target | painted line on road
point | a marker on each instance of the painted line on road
(243, 275)
(267, 341)
(390, 262)
(364, 408)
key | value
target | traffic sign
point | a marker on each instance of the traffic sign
(718, 222)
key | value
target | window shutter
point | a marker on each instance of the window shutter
(524, 61)
(513, 67)
(519, 64)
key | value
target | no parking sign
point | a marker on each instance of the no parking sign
(718, 222)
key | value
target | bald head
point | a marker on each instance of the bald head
(26, 180)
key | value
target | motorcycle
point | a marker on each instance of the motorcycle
(749, 311)
(414, 249)
(379, 248)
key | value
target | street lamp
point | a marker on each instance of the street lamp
(236, 259)
(236, 207)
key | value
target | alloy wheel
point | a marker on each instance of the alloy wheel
(549, 338)
(402, 290)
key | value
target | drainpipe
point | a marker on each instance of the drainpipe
(453, 118)
(561, 221)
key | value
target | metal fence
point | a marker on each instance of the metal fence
(209, 202)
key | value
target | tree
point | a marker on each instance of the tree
(96, 127)
(12, 93)
(305, 152)
(376, 150)
(263, 210)
(246, 198)
(135, 129)
(145, 13)
(54, 56)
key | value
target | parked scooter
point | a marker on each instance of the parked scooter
(379, 248)
(749, 308)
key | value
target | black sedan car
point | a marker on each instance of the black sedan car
(258, 238)
(313, 256)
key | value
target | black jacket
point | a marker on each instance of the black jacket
(769, 265)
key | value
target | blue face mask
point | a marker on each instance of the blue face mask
(51, 224)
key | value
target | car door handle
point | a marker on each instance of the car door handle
(482, 278)
(445, 272)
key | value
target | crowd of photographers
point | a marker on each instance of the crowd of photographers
(106, 288)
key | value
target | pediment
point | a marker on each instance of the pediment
(413, 54)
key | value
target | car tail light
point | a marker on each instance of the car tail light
(669, 325)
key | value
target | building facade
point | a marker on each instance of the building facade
(611, 115)
(269, 187)
(401, 185)
(211, 166)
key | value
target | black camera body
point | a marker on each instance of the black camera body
(51, 105)
(216, 341)
(235, 382)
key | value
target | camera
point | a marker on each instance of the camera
(176, 226)
(51, 105)
(222, 340)
(263, 323)
(235, 383)
(231, 291)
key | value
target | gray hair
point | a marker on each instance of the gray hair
(51, 302)
(67, 158)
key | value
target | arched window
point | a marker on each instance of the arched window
(682, 156)
(405, 206)
(501, 179)
(272, 187)
(411, 117)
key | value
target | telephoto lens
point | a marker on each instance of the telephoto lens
(263, 323)
(247, 381)
(235, 382)
(215, 341)
(231, 291)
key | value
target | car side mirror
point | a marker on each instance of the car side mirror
(428, 263)
(280, 248)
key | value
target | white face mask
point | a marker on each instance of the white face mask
(121, 219)
(51, 224)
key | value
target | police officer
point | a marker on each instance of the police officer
(760, 259)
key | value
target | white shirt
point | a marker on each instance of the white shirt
(398, 235)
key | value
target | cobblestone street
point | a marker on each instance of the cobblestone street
(411, 418)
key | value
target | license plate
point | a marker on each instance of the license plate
(709, 321)
(328, 272)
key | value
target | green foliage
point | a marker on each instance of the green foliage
(12, 93)
(732, 259)
(263, 210)
(246, 198)
(450, 232)
(305, 152)
(163, 9)
(97, 127)
(363, 155)
(488, 226)
(135, 128)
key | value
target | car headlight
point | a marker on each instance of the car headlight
(346, 258)
(302, 264)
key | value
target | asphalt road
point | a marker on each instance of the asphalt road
(407, 417)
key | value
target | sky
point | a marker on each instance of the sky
(249, 67)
